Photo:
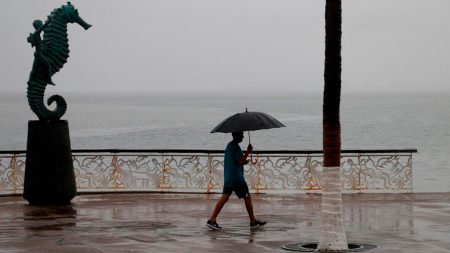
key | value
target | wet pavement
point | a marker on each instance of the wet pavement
(149, 222)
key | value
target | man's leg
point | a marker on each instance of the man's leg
(243, 192)
(249, 207)
(253, 221)
(223, 199)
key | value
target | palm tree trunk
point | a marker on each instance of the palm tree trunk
(332, 234)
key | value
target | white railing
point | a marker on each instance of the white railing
(202, 171)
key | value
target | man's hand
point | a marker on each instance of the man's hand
(249, 148)
(243, 159)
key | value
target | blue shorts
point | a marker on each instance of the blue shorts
(241, 190)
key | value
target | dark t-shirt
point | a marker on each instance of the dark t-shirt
(233, 173)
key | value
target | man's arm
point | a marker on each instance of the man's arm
(243, 159)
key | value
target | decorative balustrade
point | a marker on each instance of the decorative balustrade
(202, 171)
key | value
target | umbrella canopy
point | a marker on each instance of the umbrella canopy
(247, 121)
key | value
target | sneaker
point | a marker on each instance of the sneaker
(213, 225)
(257, 223)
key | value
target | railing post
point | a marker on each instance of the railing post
(163, 172)
(165, 177)
(209, 174)
(410, 167)
(359, 173)
(14, 172)
(309, 180)
(258, 174)
(115, 176)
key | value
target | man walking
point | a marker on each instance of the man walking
(234, 181)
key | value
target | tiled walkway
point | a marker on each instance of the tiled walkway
(176, 223)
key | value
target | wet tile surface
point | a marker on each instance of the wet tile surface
(176, 223)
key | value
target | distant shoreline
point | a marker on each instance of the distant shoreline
(228, 93)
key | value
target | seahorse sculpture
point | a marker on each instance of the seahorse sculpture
(50, 56)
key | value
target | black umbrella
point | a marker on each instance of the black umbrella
(247, 121)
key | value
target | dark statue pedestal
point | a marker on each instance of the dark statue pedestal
(49, 173)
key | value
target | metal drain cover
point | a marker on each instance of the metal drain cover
(312, 246)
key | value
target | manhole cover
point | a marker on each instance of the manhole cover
(312, 246)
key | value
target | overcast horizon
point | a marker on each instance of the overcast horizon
(389, 46)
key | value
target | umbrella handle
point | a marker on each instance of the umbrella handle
(251, 155)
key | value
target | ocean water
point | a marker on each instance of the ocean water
(184, 121)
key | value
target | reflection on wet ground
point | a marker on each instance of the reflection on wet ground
(176, 223)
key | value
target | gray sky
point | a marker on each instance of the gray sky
(233, 45)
